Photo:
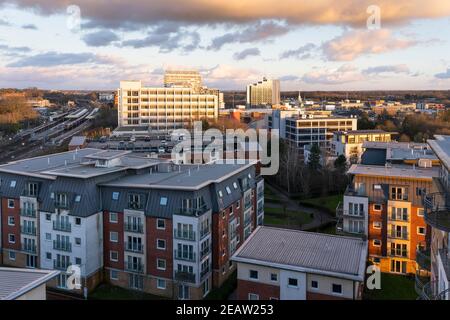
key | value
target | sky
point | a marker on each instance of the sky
(308, 45)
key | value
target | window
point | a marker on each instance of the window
(113, 236)
(12, 255)
(228, 190)
(113, 217)
(161, 284)
(376, 242)
(161, 264)
(220, 193)
(113, 256)
(163, 201)
(398, 193)
(11, 203)
(48, 236)
(336, 288)
(11, 221)
(11, 238)
(253, 274)
(376, 225)
(376, 260)
(161, 244)
(377, 207)
(377, 187)
(113, 275)
(253, 296)
(48, 217)
(273, 277)
(32, 189)
(235, 186)
(78, 221)
(314, 284)
(161, 224)
(420, 212)
(78, 241)
(78, 198)
(78, 261)
(13, 184)
(293, 282)
(48, 255)
(115, 196)
(223, 214)
(421, 231)
(238, 205)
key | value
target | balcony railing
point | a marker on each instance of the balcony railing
(134, 267)
(205, 252)
(341, 213)
(62, 226)
(192, 211)
(187, 256)
(355, 192)
(423, 258)
(61, 265)
(184, 235)
(61, 204)
(248, 220)
(402, 218)
(28, 212)
(134, 247)
(28, 230)
(134, 227)
(135, 205)
(398, 253)
(185, 276)
(204, 233)
(437, 210)
(30, 248)
(62, 246)
(398, 235)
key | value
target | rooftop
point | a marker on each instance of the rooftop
(77, 141)
(441, 146)
(396, 171)
(16, 282)
(364, 132)
(305, 252)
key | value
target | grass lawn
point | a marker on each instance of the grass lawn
(109, 292)
(269, 196)
(393, 287)
(277, 216)
(328, 203)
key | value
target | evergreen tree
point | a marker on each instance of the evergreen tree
(314, 158)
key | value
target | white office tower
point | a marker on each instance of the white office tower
(183, 79)
(265, 92)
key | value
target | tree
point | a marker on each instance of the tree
(340, 163)
(314, 158)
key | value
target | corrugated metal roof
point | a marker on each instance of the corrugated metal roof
(298, 249)
(16, 282)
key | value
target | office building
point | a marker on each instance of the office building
(183, 79)
(265, 92)
(282, 264)
(135, 222)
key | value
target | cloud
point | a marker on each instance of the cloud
(29, 26)
(399, 68)
(100, 38)
(289, 78)
(114, 14)
(246, 53)
(260, 31)
(4, 23)
(344, 74)
(303, 52)
(443, 75)
(9, 49)
(353, 44)
(52, 58)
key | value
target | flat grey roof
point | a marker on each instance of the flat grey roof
(77, 141)
(393, 144)
(16, 282)
(107, 154)
(374, 131)
(441, 146)
(397, 171)
(302, 251)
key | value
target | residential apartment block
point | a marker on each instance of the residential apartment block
(135, 222)
(282, 264)
(265, 92)
(163, 109)
(433, 259)
(384, 203)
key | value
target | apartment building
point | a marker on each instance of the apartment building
(163, 109)
(350, 143)
(384, 204)
(265, 92)
(433, 259)
(136, 222)
(283, 264)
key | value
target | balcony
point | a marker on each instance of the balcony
(186, 256)
(204, 233)
(398, 235)
(61, 265)
(355, 192)
(28, 212)
(344, 213)
(62, 226)
(134, 227)
(134, 247)
(134, 267)
(196, 212)
(437, 210)
(403, 218)
(184, 235)
(135, 205)
(423, 258)
(31, 231)
(398, 253)
(247, 219)
(62, 246)
(29, 248)
(183, 276)
(205, 252)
